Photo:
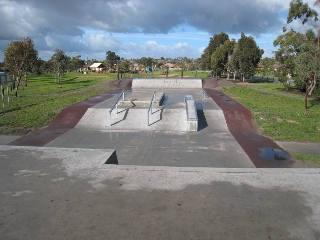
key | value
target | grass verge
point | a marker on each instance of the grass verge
(39, 102)
(307, 159)
(281, 116)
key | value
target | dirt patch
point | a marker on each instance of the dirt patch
(223, 82)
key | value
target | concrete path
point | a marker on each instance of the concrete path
(301, 148)
(49, 193)
(6, 139)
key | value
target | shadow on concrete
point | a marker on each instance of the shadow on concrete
(124, 116)
(202, 122)
(160, 116)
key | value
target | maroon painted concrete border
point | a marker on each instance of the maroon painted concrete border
(62, 123)
(68, 118)
(241, 125)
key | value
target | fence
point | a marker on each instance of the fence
(262, 79)
(6, 86)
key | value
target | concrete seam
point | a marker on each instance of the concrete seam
(145, 154)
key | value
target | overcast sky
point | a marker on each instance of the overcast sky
(138, 28)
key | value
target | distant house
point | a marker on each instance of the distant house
(259, 66)
(98, 67)
(172, 66)
(276, 66)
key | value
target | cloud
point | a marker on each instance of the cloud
(66, 24)
(41, 17)
(157, 50)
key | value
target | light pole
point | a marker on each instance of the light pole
(117, 69)
(152, 69)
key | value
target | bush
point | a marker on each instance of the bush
(316, 91)
(300, 85)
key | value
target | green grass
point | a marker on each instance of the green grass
(282, 117)
(307, 158)
(39, 102)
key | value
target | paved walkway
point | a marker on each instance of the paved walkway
(54, 193)
(301, 148)
(70, 193)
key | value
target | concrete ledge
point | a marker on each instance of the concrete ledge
(192, 117)
(132, 102)
(156, 83)
(271, 171)
(5, 139)
(79, 158)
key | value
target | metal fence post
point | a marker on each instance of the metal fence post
(2, 95)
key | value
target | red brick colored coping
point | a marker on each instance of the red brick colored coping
(241, 125)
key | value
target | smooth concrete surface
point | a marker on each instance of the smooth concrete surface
(166, 141)
(166, 83)
(156, 148)
(5, 139)
(301, 148)
(49, 193)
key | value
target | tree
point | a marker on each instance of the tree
(220, 57)
(304, 14)
(216, 41)
(233, 62)
(182, 65)
(125, 66)
(36, 68)
(308, 68)
(301, 12)
(267, 64)
(289, 46)
(59, 60)
(146, 61)
(159, 64)
(46, 67)
(194, 65)
(247, 55)
(111, 59)
(75, 63)
(19, 57)
(291, 40)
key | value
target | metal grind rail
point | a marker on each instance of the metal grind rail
(116, 105)
(150, 107)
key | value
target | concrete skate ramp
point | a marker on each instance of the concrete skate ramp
(171, 116)
(167, 119)
(166, 140)
(160, 83)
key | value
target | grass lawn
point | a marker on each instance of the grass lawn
(39, 102)
(307, 159)
(279, 115)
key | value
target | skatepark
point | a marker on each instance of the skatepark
(155, 158)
